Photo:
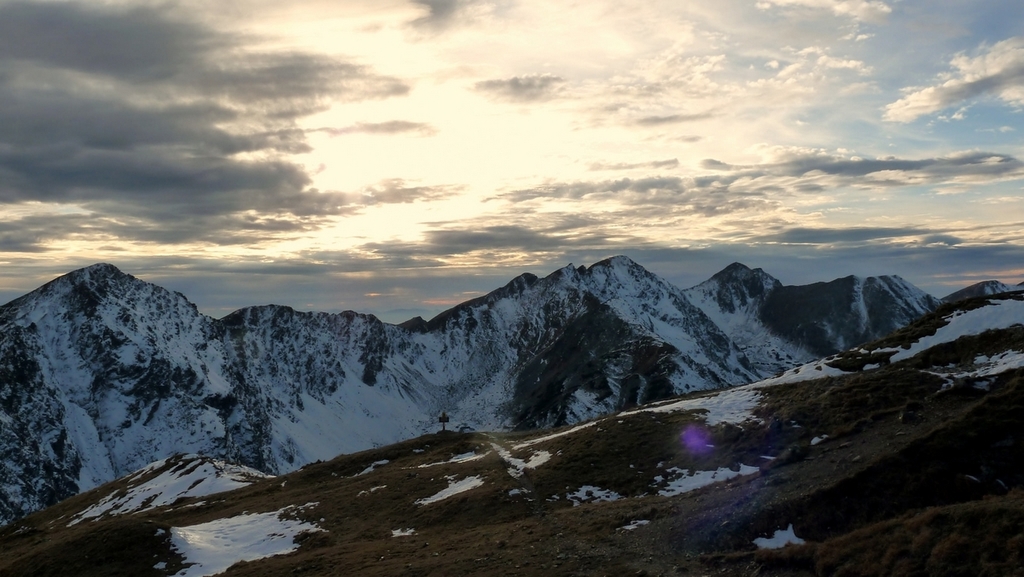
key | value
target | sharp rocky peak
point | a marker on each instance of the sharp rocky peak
(737, 287)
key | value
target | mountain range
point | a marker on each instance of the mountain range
(902, 456)
(102, 373)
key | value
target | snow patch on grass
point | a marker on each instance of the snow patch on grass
(1000, 314)
(588, 493)
(210, 548)
(687, 481)
(372, 466)
(813, 370)
(463, 458)
(371, 490)
(575, 429)
(190, 476)
(730, 406)
(780, 539)
(517, 466)
(454, 488)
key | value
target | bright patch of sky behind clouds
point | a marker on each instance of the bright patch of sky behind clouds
(397, 157)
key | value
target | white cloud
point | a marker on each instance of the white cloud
(867, 10)
(831, 62)
(998, 72)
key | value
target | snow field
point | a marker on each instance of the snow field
(588, 493)
(409, 532)
(372, 466)
(463, 458)
(1000, 314)
(517, 466)
(454, 488)
(780, 539)
(729, 406)
(193, 476)
(211, 548)
(687, 481)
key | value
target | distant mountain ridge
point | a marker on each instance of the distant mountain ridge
(983, 288)
(101, 373)
(778, 326)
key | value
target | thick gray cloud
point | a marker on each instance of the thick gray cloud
(440, 13)
(244, 215)
(762, 191)
(656, 164)
(138, 117)
(530, 88)
(672, 119)
(580, 189)
(455, 241)
(29, 234)
(974, 163)
(408, 279)
(143, 44)
(816, 236)
(389, 127)
(656, 195)
(890, 171)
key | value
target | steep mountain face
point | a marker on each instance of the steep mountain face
(103, 373)
(577, 343)
(830, 317)
(981, 289)
(734, 299)
(778, 326)
(100, 372)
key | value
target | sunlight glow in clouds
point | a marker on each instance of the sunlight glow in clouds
(390, 156)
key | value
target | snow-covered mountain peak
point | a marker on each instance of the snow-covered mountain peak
(984, 288)
(737, 289)
(738, 271)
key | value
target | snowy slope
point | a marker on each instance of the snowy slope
(780, 326)
(167, 480)
(997, 314)
(734, 299)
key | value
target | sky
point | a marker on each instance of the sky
(397, 157)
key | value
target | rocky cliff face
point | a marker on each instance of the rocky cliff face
(101, 373)
(826, 318)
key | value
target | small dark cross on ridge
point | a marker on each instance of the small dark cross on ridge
(443, 420)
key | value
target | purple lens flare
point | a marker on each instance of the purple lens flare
(696, 439)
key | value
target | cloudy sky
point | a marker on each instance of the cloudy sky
(400, 156)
